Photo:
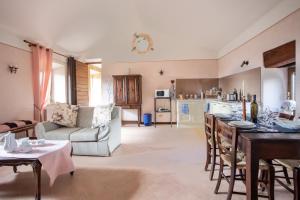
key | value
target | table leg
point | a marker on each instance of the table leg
(139, 116)
(296, 174)
(251, 171)
(15, 169)
(37, 166)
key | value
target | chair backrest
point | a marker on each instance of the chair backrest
(227, 135)
(209, 127)
(286, 116)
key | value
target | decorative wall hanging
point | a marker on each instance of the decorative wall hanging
(12, 69)
(142, 43)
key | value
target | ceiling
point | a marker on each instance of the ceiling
(104, 29)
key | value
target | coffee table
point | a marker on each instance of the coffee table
(36, 160)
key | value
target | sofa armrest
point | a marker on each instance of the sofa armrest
(43, 127)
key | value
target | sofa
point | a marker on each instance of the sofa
(84, 139)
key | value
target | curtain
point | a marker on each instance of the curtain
(71, 81)
(41, 72)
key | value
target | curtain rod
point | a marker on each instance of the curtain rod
(33, 44)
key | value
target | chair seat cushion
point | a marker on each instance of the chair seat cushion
(85, 135)
(225, 143)
(289, 164)
(241, 161)
(60, 133)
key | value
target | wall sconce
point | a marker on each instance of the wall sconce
(161, 72)
(12, 69)
(245, 62)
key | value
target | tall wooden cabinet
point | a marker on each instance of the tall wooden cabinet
(128, 92)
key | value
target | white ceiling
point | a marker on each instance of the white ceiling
(180, 29)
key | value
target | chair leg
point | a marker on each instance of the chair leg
(288, 181)
(231, 183)
(296, 176)
(213, 164)
(219, 177)
(271, 180)
(208, 156)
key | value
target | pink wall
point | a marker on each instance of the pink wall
(153, 80)
(16, 100)
(286, 30)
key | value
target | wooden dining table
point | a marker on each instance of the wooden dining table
(266, 143)
(267, 146)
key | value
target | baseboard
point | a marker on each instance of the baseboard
(124, 122)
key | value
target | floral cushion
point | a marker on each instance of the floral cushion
(102, 115)
(64, 114)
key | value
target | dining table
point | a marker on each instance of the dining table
(267, 143)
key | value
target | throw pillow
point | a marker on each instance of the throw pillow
(64, 114)
(102, 115)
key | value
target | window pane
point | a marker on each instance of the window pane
(95, 85)
(58, 93)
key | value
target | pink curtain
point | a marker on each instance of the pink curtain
(41, 73)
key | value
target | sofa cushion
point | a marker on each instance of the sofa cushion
(85, 135)
(60, 133)
(102, 115)
(85, 117)
(64, 114)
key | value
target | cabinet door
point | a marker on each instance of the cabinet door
(133, 90)
(120, 90)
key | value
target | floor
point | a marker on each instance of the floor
(160, 163)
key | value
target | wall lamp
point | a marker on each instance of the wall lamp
(245, 62)
(12, 69)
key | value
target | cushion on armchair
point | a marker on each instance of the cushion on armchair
(64, 114)
(102, 115)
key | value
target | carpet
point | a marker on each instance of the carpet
(160, 163)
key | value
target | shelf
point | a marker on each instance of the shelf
(162, 97)
(163, 111)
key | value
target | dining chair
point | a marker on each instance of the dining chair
(284, 169)
(233, 158)
(286, 116)
(211, 148)
(294, 167)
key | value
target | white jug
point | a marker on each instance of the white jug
(10, 143)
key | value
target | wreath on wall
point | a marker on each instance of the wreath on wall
(142, 43)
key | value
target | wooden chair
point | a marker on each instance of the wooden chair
(286, 116)
(211, 149)
(284, 168)
(294, 167)
(230, 156)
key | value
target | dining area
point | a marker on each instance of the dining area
(257, 154)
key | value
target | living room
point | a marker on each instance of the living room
(109, 100)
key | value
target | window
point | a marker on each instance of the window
(291, 82)
(58, 83)
(95, 84)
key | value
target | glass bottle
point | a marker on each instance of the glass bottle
(254, 109)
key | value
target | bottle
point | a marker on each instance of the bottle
(254, 110)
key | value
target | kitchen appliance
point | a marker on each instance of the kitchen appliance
(162, 93)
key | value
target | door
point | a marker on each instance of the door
(133, 90)
(120, 90)
(82, 83)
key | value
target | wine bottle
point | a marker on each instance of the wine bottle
(254, 109)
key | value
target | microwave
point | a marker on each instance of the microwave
(162, 93)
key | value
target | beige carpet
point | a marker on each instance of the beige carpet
(160, 163)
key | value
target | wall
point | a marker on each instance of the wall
(284, 31)
(16, 100)
(151, 79)
(250, 78)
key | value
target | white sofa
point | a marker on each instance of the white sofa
(85, 140)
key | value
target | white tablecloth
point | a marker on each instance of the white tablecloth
(54, 155)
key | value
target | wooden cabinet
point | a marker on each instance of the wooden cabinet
(282, 56)
(128, 92)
